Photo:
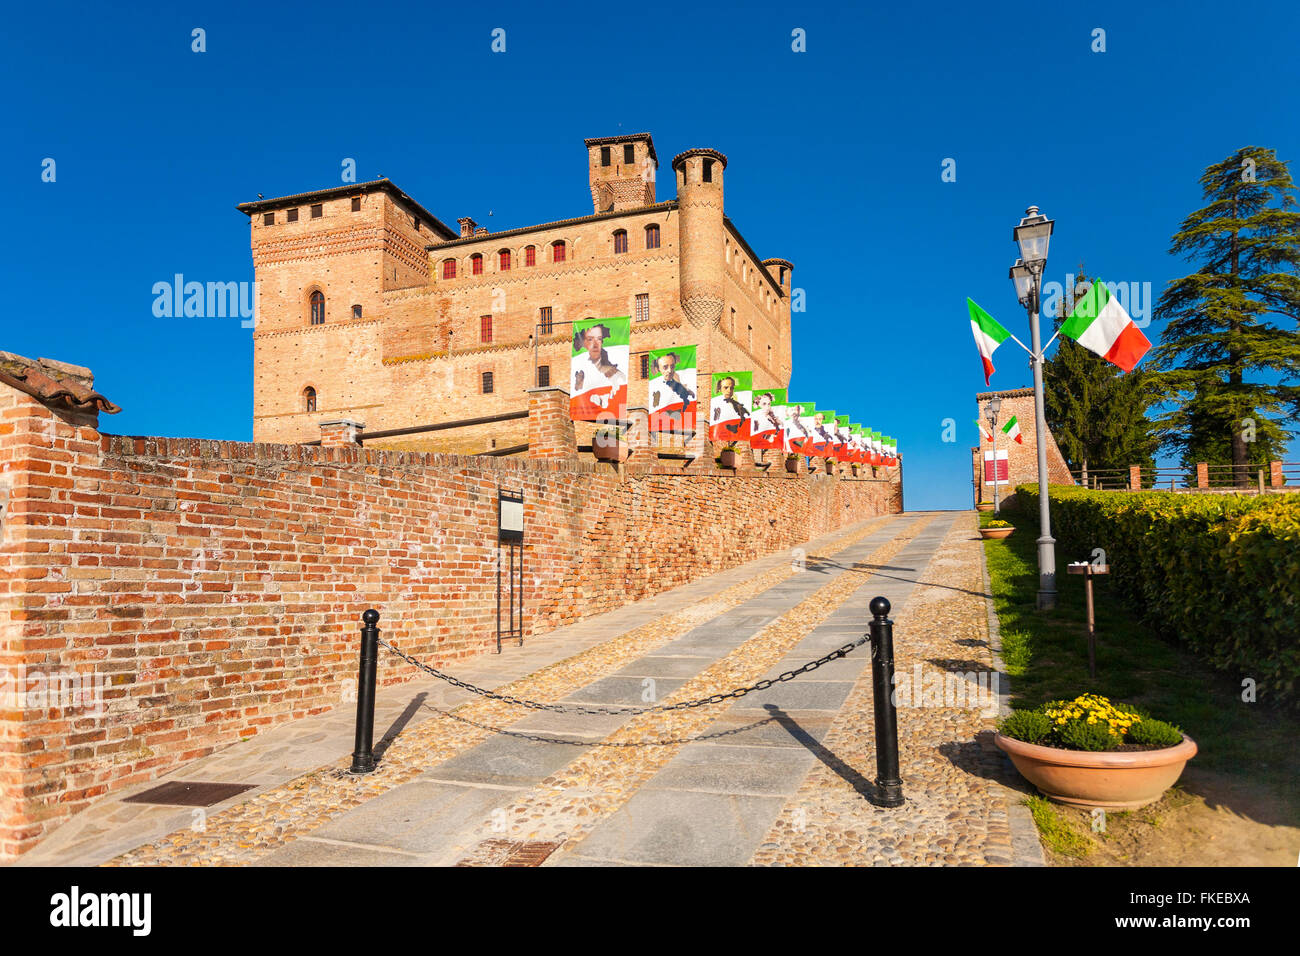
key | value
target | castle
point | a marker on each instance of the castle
(372, 310)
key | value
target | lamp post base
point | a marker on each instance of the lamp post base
(1046, 573)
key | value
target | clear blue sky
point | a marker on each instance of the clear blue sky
(835, 161)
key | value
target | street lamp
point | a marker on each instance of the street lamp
(991, 413)
(1033, 234)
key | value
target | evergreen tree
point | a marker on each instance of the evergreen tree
(1224, 363)
(1097, 414)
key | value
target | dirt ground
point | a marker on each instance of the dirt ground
(1208, 819)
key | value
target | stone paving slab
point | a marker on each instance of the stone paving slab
(504, 761)
(736, 768)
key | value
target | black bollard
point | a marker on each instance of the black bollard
(363, 757)
(889, 788)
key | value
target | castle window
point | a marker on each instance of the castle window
(708, 171)
(545, 320)
(356, 203)
(356, 312)
(503, 260)
(543, 376)
(645, 366)
(628, 156)
(449, 268)
(643, 307)
(557, 250)
(530, 255)
(317, 211)
(268, 219)
(604, 156)
(291, 216)
(652, 236)
(620, 241)
(318, 308)
(309, 396)
(485, 328)
(416, 221)
(476, 264)
(487, 383)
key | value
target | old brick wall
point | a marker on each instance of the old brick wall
(220, 585)
(1022, 459)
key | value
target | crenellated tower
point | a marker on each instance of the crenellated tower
(699, 197)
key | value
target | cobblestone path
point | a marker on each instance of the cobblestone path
(778, 777)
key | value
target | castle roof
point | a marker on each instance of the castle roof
(594, 217)
(607, 140)
(350, 189)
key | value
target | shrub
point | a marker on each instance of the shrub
(1219, 573)
(1081, 735)
(1155, 733)
(999, 524)
(1031, 726)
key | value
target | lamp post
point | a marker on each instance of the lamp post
(1032, 234)
(991, 413)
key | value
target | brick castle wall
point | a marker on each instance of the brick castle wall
(219, 585)
(1022, 459)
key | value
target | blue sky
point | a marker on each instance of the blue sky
(835, 163)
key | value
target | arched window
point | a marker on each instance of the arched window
(318, 308)
(449, 268)
(530, 255)
(503, 260)
(558, 251)
(652, 236)
(620, 241)
(309, 396)
(476, 264)
(356, 312)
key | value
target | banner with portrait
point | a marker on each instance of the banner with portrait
(796, 431)
(598, 369)
(841, 450)
(822, 434)
(767, 419)
(729, 410)
(671, 389)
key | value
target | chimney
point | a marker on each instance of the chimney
(480, 230)
(466, 226)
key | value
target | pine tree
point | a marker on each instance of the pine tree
(1225, 364)
(1097, 414)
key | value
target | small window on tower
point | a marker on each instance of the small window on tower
(416, 220)
(309, 395)
(449, 268)
(503, 260)
(629, 157)
(356, 203)
(487, 383)
(318, 308)
(476, 264)
(708, 170)
(643, 307)
(645, 366)
(356, 312)
(543, 376)
(291, 216)
(485, 328)
(317, 210)
(620, 241)
(546, 321)
(604, 156)
(558, 251)
(530, 255)
(268, 219)
(652, 236)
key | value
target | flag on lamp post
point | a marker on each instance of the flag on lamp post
(984, 432)
(1101, 325)
(1012, 429)
(989, 334)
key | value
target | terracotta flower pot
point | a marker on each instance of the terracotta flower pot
(997, 533)
(727, 458)
(792, 465)
(984, 506)
(1108, 779)
(614, 451)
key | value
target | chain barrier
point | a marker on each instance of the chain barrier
(739, 692)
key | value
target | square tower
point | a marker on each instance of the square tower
(622, 171)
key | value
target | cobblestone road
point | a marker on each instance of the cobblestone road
(779, 777)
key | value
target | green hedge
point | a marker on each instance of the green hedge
(1220, 573)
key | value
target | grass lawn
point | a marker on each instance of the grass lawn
(1046, 657)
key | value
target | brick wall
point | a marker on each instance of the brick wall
(1022, 458)
(219, 585)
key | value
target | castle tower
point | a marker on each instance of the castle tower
(622, 171)
(699, 199)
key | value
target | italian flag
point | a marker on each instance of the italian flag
(1012, 430)
(987, 435)
(1100, 324)
(988, 335)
